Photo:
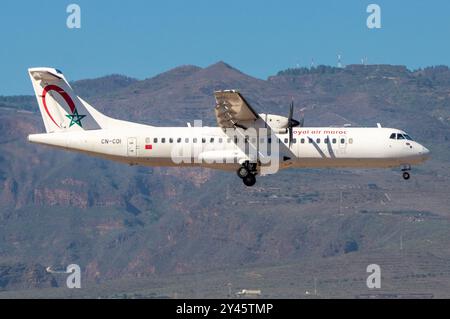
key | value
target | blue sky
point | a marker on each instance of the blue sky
(143, 38)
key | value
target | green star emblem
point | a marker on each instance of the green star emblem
(75, 118)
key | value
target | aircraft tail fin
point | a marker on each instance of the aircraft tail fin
(61, 109)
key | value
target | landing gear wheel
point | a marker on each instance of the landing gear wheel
(406, 175)
(249, 180)
(243, 172)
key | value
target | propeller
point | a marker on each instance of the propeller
(292, 123)
(302, 116)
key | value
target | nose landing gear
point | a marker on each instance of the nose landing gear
(247, 173)
(405, 170)
(249, 180)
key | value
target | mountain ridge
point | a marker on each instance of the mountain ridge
(60, 207)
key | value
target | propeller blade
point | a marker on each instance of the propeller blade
(291, 122)
(302, 122)
(295, 123)
(290, 136)
(291, 112)
(302, 119)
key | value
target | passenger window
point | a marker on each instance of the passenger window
(302, 141)
(350, 140)
(155, 140)
(392, 136)
(318, 141)
(203, 140)
(286, 140)
(342, 140)
(310, 140)
(229, 140)
(269, 140)
(220, 140)
(170, 140)
(325, 140)
(163, 140)
(261, 140)
(236, 140)
(186, 140)
(253, 140)
(147, 140)
(212, 140)
(294, 140)
(179, 140)
(194, 140)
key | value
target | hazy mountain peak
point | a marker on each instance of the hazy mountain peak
(222, 71)
(221, 64)
(187, 69)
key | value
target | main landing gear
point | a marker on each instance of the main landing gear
(405, 170)
(247, 173)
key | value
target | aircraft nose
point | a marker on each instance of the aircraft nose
(425, 152)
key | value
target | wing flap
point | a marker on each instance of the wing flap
(232, 110)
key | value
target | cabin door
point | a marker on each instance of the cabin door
(342, 141)
(132, 147)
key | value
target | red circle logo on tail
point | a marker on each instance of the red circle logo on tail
(64, 95)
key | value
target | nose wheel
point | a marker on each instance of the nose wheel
(247, 173)
(243, 172)
(405, 169)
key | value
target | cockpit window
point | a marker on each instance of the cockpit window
(408, 137)
(400, 136)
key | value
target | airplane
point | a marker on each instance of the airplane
(246, 142)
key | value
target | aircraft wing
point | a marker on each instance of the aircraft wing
(233, 111)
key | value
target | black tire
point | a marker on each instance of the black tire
(406, 175)
(249, 180)
(243, 172)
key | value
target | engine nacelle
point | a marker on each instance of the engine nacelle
(276, 122)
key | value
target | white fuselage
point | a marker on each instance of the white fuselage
(313, 147)
(245, 141)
